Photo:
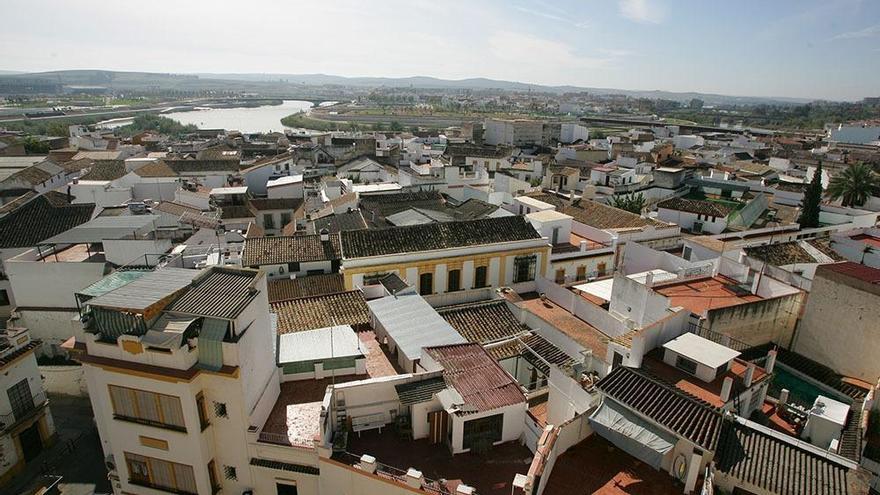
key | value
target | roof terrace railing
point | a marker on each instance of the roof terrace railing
(395, 474)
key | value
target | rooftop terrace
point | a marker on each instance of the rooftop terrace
(596, 466)
(295, 418)
(702, 295)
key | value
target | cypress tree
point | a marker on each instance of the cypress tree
(812, 199)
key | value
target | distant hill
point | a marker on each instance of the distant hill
(274, 84)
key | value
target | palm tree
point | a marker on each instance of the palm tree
(854, 185)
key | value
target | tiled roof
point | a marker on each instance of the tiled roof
(308, 286)
(105, 170)
(279, 250)
(285, 466)
(348, 220)
(597, 215)
(785, 253)
(697, 206)
(479, 379)
(429, 237)
(260, 204)
(177, 209)
(41, 218)
(32, 175)
(535, 346)
(419, 391)
(219, 293)
(852, 270)
(777, 466)
(308, 313)
(483, 322)
(183, 166)
(156, 169)
(664, 404)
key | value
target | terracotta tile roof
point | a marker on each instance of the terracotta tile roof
(697, 206)
(435, 236)
(479, 379)
(279, 250)
(218, 293)
(177, 209)
(483, 322)
(852, 270)
(779, 467)
(598, 215)
(664, 404)
(156, 169)
(308, 313)
(32, 175)
(346, 220)
(184, 166)
(41, 218)
(308, 286)
(105, 170)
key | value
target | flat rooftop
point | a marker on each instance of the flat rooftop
(77, 253)
(596, 466)
(704, 294)
(579, 330)
(435, 461)
(709, 392)
(867, 239)
(295, 418)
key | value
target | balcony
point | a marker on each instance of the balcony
(11, 420)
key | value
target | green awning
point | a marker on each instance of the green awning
(211, 343)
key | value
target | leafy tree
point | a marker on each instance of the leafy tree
(396, 126)
(854, 185)
(633, 202)
(812, 199)
(34, 146)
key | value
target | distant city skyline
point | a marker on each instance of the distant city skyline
(788, 48)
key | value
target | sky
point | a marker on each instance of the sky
(826, 49)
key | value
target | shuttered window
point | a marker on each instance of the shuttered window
(160, 474)
(147, 407)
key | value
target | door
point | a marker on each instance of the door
(31, 443)
(285, 489)
(438, 423)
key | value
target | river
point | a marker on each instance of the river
(255, 119)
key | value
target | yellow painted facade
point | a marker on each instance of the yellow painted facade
(452, 263)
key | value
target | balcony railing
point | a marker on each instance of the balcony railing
(12, 419)
(394, 474)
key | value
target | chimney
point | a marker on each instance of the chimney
(750, 373)
(726, 387)
(649, 279)
(783, 398)
(325, 235)
(771, 362)
(414, 478)
(583, 246)
(368, 463)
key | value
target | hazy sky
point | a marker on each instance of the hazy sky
(815, 49)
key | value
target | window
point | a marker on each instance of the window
(20, 399)
(230, 473)
(581, 273)
(293, 267)
(4, 298)
(686, 253)
(480, 277)
(203, 411)
(285, 219)
(149, 408)
(220, 410)
(686, 364)
(524, 268)
(601, 269)
(268, 221)
(426, 284)
(560, 276)
(453, 280)
(555, 237)
(616, 360)
(520, 209)
(480, 434)
(159, 474)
